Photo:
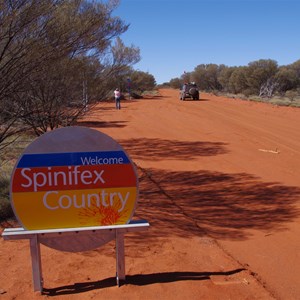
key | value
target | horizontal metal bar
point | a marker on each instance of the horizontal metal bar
(21, 233)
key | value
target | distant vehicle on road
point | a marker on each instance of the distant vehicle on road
(189, 90)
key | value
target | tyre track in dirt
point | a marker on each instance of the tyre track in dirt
(274, 133)
(267, 134)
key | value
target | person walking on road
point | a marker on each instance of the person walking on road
(117, 94)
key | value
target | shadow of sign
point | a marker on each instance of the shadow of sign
(140, 280)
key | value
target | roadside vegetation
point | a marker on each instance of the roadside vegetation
(58, 58)
(8, 158)
(261, 80)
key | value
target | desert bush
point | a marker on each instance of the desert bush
(175, 83)
(292, 94)
(135, 95)
(280, 101)
(8, 158)
(141, 81)
(6, 211)
(255, 98)
(295, 103)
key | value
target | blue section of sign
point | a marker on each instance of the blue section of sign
(73, 159)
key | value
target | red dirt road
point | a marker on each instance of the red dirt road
(219, 184)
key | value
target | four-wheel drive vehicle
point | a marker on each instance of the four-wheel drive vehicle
(189, 90)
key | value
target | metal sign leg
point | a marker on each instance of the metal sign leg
(120, 257)
(35, 252)
(36, 237)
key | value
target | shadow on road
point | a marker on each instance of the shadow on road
(195, 100)
(99, 124)
(218, 205)
(160, 149)
(214, 204)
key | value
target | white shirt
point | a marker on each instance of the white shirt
(117, 94)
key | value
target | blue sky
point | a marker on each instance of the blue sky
(177, 35)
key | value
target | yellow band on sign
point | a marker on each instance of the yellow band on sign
(75, 208)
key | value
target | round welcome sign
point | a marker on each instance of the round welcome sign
(73, 177)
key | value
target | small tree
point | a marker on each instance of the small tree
(175, 83)
(238, 80)
(287, 79)
(292, 94)
(260, 74)
(224, 78)
(142, 81)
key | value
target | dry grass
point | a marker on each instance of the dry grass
(276, 100)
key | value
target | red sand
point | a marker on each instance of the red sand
(219, 184)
